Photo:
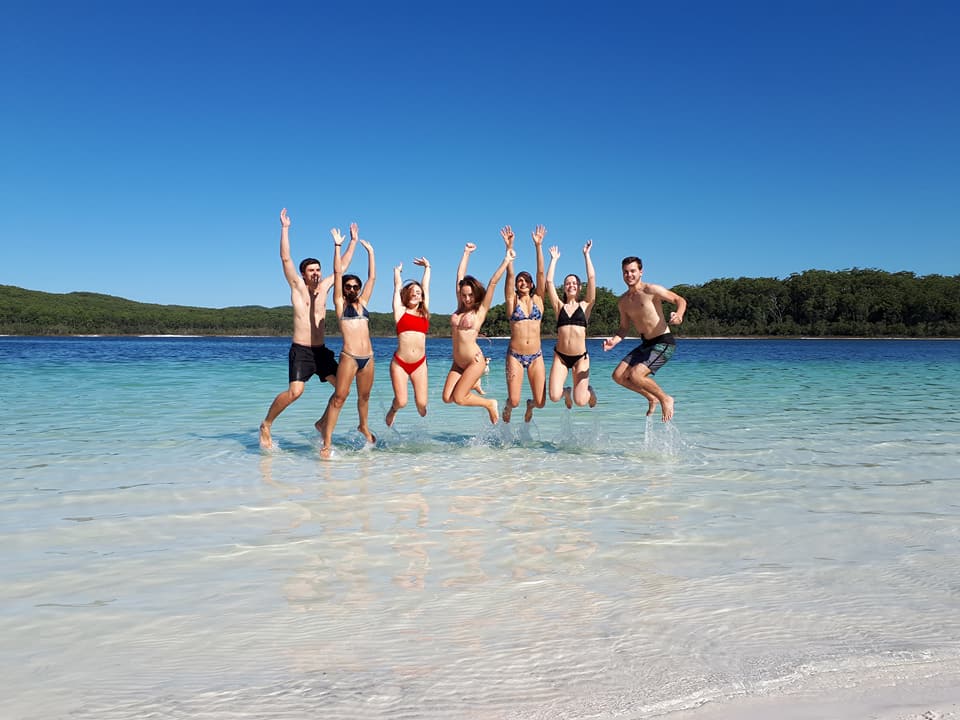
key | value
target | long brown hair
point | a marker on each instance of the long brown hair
(407, 290)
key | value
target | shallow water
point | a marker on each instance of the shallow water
(795, 524)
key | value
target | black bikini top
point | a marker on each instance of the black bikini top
(578, 317)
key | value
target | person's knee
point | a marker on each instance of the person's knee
(295, 392)
(337, 400)
(619, 374)
(399, 404)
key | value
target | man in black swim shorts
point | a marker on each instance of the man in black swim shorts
(642, 305)
(308, 354)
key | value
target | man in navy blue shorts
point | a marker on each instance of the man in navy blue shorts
(642, 305)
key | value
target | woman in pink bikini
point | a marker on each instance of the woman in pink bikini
(473, 302)
(410, 303)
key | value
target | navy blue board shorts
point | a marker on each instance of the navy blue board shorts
(654, 353)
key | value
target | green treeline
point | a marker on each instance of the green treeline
(857, 303)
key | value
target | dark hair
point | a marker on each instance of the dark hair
(346, 278)
(308, 261)
(632, 258)
(529, 277)
(479, 291)
(407, 290)
(575, 277)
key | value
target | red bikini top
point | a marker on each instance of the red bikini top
(411, 322)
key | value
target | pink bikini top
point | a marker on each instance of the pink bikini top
(462, 322)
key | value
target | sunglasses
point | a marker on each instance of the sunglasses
(351, 286)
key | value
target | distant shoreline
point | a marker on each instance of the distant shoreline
(684, 338)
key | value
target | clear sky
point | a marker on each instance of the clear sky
(147, 148)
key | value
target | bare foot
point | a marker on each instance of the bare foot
(326, 452)
(266, 442)
(507, 412)
(667, 408)
(391, 415)
(568, 397)
(492, 410)
(528, 415)
(593, 396)
(653, 402)
(365, 431)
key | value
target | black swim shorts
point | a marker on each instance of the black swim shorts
(653, 353)
(306, 361)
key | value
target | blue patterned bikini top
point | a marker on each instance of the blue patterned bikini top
(518, 313)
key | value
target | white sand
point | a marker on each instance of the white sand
(933, 698)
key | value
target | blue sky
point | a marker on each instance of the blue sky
(148, 148)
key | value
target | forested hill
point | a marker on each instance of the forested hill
(857, 303)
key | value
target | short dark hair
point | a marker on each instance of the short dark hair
(631, 259)
(347, 278)
(308, 261)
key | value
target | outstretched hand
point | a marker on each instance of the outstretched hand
(284, 220)
(511, 254)
(469, 247)
(366, 246)
(506, 232)
(421, 261)
(354, 232)
(538, 234)
(399, 268)
(554, 252)
(337, 236)
(587, 246)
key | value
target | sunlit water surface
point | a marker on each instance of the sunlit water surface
(797, 525)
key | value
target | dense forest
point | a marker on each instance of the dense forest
(850, 303)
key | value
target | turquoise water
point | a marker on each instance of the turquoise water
(795, 527)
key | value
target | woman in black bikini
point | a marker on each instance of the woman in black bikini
(570, 352)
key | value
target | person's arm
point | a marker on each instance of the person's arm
(621, 333)
(676, 317)
(591, 296)
(509, 289)
(551, 289)
(538, 236)
(497, 274)
(371, 274)
(290, 271)
(425, 282)
(462, 267)
(327, 282)
(348, 253)
(398, 308)
(337, 271)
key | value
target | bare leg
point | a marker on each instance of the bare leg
(326, 424)
(461, 392)
(364, 385)
(399, 380)
(279, 404)
(537, 375)
(514, 371)
(638, 379)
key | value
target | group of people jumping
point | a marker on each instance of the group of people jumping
(641, 306)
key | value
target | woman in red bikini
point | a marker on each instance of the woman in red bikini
(410, 303)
